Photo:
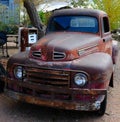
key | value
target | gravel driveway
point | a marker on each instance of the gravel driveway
(13, 111)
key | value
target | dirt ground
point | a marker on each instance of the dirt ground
(14, 111)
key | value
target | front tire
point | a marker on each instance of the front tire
(102, 109)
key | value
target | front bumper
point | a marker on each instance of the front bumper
(19, 92)
(82, 106)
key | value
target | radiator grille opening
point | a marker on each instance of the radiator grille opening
(58, 55)
(36, 54)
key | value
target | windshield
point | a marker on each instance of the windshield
(74, 24)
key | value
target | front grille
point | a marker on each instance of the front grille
(58, 55)
(44, 83)
(48, 77)
(36, 54)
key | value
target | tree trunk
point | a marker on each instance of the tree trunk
(35, 20)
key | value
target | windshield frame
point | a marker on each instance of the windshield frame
(86, 30)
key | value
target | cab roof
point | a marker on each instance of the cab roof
(77, 11)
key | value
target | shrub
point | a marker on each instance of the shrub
(9, 29)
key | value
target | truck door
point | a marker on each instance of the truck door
(106, 36)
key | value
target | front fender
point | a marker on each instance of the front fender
(96, 65)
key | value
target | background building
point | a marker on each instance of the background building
(9, 12)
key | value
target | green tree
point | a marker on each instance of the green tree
(34, 17)
(33, 14)
(36, 21)
(44, 16)
(80, 3)
(112, 8)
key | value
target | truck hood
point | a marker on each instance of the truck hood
(64, 46)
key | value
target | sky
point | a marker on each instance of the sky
(53, 5)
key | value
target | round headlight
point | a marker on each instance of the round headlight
(80, 79)
(19, 72)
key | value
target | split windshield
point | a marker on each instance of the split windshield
(74, 24)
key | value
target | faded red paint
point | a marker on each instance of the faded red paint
(52, 63)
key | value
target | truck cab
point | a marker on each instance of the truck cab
(71, 67)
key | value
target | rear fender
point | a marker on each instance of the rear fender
(115, 50)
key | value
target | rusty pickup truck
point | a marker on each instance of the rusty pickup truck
(71, 67)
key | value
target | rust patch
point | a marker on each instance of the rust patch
(53, 103)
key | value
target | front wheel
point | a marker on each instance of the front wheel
(102, 109)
